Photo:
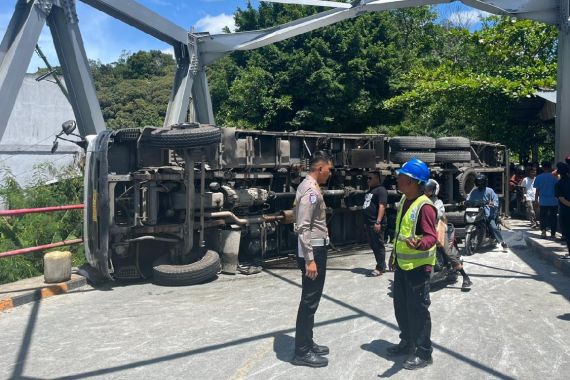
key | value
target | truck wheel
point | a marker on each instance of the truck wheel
(457, 218)
(401, 157)
(466, 182)
(164, 273)
(127, 134)
(453, 156)
(185, 137)
(452, 143)
(412, 142)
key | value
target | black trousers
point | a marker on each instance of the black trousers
(411, 304)
(376, 242)
(310, 298)
(548, 218)
(565, 226)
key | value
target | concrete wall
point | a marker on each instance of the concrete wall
(36, 118)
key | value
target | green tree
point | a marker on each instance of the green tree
(332, 79)
(473, 88)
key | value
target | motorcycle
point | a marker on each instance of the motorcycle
(444, 273)
(477, 231)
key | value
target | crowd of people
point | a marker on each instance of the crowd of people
(545, 193)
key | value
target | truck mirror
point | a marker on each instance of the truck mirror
(68, 127)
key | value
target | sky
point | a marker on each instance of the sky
(105, 38)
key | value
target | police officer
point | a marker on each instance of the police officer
(413, 258)
(311, 226)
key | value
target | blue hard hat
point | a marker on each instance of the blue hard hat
(416, 169)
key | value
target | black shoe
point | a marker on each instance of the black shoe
(505, 246)
(310, 359)
(320, 350)
(466, 284)
(415, 362)
(401, 348)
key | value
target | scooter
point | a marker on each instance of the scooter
(477, 232)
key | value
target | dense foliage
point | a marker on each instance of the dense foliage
(134, 91)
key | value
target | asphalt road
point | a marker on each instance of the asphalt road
(514, 323)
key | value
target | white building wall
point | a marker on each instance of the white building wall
(37, 116)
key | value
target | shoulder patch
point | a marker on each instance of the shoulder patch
(313, 198)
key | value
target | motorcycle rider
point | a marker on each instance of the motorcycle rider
(483, 193)
(431, 190)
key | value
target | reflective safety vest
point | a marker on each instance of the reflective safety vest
(409, 258)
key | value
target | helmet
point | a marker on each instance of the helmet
(416, 169)
(432, 187)
(481, 181)
(519, 169)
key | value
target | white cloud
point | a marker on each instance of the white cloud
(215, 24)
(169, 51)
(467, 18)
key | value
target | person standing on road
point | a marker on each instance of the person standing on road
(374, 211)
(483, 193)
(311, 227)
(562, 192)
(544, 185)
(413, 258)
(529, 197)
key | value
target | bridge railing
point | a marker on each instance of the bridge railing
(25, 211)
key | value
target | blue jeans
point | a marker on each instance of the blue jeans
(495, 230)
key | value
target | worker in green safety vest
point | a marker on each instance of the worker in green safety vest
(412, 259)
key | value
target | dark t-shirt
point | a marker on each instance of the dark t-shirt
(372, 201)
(562, 189)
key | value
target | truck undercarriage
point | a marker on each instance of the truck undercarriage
(148, 215)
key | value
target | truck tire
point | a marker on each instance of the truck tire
(412, 142)
(453, 143)
(401, 157)
(453, 156)
(185, 137)
(466, 182)
(205, 269)
(127, 134)
(457, 218)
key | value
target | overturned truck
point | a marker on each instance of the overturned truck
(176, 203)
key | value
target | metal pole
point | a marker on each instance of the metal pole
(190, 196)
(202, 196)
(24, 211)
(53, 72)
(562, 135)
(40, 247)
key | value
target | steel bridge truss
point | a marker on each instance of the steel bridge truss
(194, 51)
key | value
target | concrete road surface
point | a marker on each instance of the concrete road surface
(514, 324)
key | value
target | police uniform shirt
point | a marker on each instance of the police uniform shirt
(310, 215)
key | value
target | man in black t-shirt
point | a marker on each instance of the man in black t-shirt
(562, 193)
(374, 211)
